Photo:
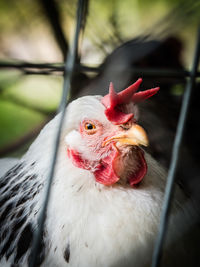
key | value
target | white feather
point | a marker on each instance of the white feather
(6, 164)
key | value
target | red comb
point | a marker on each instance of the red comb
(113, 100)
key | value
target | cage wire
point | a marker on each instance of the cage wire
(174, 158)
(68, 72)
(67, 69)
(59, 68)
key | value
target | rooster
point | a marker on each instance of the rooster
(106, 195)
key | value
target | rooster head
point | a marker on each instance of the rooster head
(105, 138)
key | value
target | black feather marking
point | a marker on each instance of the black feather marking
(24, 242)
(15, 169)
(67, 253)
(9, 237)
(80, 188)
(13, 236)
(42, 250)
(13, 175)
(41, 256)
(17, 193)
(8, 209)
(10, 174)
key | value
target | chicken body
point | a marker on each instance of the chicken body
(88, 223)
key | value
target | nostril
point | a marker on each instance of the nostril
(126, 126)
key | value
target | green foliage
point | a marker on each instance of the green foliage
(40, 93)
(16, 121)
(24, 103)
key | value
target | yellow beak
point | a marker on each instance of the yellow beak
(135, 136)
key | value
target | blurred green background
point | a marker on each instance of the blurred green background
(26, 34)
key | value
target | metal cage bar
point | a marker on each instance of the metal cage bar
(69, 68)
(157, 255)
(48, 69)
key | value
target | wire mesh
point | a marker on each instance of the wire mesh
(174, 159)
(58, 68)
(69, 67)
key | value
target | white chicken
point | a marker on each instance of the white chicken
(106, 195)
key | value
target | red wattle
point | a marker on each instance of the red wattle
(141, 172)
(105, 173)
(77, 160)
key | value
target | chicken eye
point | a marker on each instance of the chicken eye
(89, 126)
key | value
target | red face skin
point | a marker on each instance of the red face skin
(109, 163)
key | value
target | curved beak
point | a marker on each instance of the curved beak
(135, 136)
